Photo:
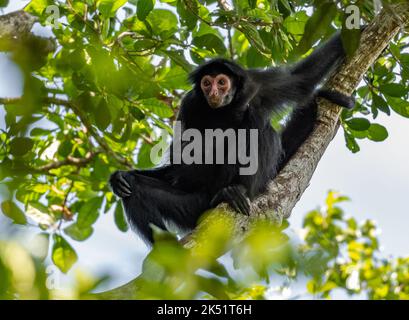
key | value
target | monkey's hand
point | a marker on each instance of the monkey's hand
(120, 184)
(235, 196)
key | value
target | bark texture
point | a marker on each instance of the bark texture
(16, 24)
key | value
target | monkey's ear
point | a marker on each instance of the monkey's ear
(195, 75)
(234, 68)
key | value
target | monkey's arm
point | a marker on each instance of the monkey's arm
(313, 69)
(297, 85)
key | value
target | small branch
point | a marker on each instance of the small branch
(192, 10)
(67, 214)
(101, 141)
(229, 38)
(48, 100)
(73, 161)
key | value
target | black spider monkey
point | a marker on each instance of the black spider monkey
(226, 96)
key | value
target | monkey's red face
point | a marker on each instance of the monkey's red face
(217, 90)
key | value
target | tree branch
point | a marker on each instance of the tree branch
(15, 30)
(16, 24)
(70, 160)
(286, 189)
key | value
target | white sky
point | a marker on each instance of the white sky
(376, 179)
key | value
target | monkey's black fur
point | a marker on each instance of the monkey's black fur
(180, 193)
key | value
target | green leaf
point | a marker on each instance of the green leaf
(187, 15)
(255, 59)
(136, 113)
(252, 3)
(404, 59)
(212, 286)
(108, 8)
(78, 233)
(350, 39)
(317, 26)
(4, 3)
(119, 217)
(157, 107)
(398, 105)
(144, 156)
(393, 89)
(65, 148)
(358, 124)
(179, 58)
(63, 255)
(11, 210)
(377, 132)
(39, 132)
(295, 24)
(351, 143)
(284, 7)
(253, 36)
(19, 146)
(102, 115)
(163, 23)
(210, 42)
(37, 6)
(379, 103)
(100, 169)
(143, 8)
(89, 212)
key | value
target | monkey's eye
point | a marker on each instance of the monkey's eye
(206, 83)
(222, 82)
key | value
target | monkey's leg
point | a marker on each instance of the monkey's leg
(120, 180)
(297, 130)
(156, 201)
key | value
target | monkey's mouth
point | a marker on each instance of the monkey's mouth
(215, 102)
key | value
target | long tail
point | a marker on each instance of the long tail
(337, 98)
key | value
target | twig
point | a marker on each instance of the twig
(70, 160)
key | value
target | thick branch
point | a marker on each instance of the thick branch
(16, 24)
(286, 189)
(15, 30)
